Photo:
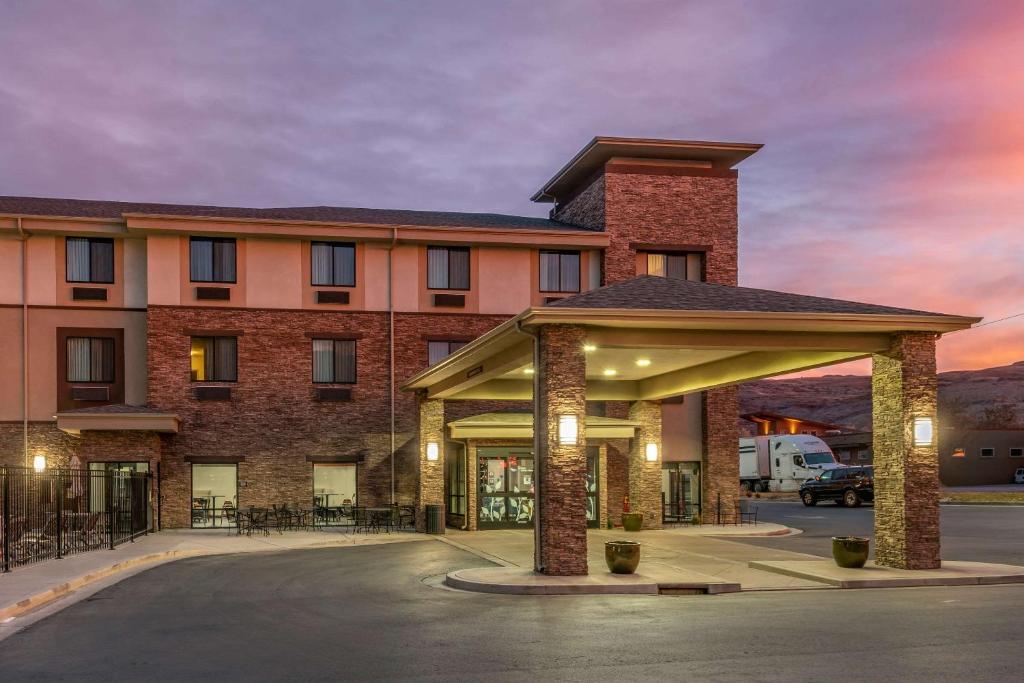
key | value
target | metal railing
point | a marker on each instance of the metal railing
(50, 514)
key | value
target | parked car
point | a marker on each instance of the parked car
(847, 486)
(1018, 476)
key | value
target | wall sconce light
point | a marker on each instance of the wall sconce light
(433, 450)
(924, 431)
(590, 347)
(651, 451)
(568, 430)
(39, 463)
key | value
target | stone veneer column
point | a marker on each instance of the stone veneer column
(602, 485)
(903, 386)
(644, 476)
(431, 472)
(720, 457)
(560, 380)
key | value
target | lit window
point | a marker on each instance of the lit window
(214, 359)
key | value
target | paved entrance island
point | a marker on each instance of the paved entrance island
(650, 339)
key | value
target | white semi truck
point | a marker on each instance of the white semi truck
(783, 462)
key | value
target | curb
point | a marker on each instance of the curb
(560, 586)
(908, 582)
(36, 601)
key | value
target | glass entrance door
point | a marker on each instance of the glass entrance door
(680, 492)
(505, 488)
(593, 511)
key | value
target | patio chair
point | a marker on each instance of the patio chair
(258, 522)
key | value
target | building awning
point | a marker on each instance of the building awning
(651, 338)
(520, 426)
(117, 418)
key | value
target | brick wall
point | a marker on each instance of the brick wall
(720, 462)
(903, 386)
(272, 420)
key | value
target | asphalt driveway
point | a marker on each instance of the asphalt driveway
(980, 533)
(367, 614)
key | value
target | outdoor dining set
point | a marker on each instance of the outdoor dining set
(295, 517)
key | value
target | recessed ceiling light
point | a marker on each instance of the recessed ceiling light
(589, 347)
(527, 371)
(643, 362)
(609, 372)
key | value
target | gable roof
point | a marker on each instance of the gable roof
(90, 208)
(649, 292)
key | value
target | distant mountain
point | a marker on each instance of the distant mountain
(991, 398)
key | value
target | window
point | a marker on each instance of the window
(1017, 452)
(214, 495)
(456, 484)
(438, 350)
(212, 259)
(333, 265)
(334, 361)
(334, 484)
(988, 452)
(559, 271)
(863, 454)
(684, 266)
(214, 359)
(90, 259)
(90, 359)
(448, 267)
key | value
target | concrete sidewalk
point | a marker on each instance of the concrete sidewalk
(693, 557)
(952, 573)
(30, 587)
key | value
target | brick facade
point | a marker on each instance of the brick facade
(645, 476)
(720, 462)
(561, 382)
(903, 387)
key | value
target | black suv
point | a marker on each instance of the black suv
(847, 486)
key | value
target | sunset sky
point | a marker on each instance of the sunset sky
(892, 172)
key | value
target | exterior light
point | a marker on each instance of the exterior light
(590, 347)
(924, 431)
(643, 362)
(651, 451)
(568, 430)
(609, 372)
(527, 371)
(39, 463)
(433, 450)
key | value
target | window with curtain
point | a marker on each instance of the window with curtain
(90, 259)
(90, 359)
(334, 361)
(448, 267)
(559, 271)
(437, 350)
(684, 266)
(333, 265)
(214, 359)
(212, 259)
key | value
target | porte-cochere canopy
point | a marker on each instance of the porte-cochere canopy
(651, 338)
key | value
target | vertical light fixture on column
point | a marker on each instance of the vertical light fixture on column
(568, 430)
(433, 450)
(651, 452)
(924, 431)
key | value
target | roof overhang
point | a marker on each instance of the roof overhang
(600, 150)
(77, 422)
(697, 350)
(519, 426)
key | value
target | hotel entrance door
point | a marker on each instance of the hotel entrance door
(680, 492)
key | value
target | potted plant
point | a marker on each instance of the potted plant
(622, 556)
(631, 521)
(850, 552)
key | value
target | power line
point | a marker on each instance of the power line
(993, 322)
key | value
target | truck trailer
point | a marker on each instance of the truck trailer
(783, 462)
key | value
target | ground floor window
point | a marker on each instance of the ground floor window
(506, 487)
(214, 495)
(121, 493)
(456, 484)
(334, 484)
(680, 492)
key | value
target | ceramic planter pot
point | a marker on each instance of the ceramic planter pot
(632, 521)
(622, 556)
(850, 552)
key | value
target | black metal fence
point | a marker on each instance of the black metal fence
(50, 514)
